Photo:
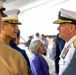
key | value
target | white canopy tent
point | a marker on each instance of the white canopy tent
(38, 15)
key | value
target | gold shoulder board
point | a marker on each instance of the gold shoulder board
(74, 43)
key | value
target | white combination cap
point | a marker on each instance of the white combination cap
(12, 16)
(2, 8)
(66, 16)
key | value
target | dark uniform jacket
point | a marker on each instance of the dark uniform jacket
(24, 54)
(59, 46)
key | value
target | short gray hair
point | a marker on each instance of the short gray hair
(34, 46)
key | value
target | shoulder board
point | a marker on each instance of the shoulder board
(74, 43)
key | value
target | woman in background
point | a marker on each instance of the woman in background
(38, 64)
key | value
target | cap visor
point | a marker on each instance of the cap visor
(59, 21)
(3, 14)
(56, 22)
(3, 9)
(19, 23)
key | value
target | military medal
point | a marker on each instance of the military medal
(65, 52)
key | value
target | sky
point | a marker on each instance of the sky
(40, 19)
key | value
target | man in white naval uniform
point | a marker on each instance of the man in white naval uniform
(67, 31)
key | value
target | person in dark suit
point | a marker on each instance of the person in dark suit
(29, 41)
(13, 43)
(59, 46)
(38, 64)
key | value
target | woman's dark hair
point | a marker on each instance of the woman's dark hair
(13, 39)
(18, 34)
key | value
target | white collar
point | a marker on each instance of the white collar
(70, 41)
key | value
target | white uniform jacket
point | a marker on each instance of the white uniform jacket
(67, 54)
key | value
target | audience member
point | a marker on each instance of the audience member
(29, 41)
(36, 37)
(54, 48)
(59, 47)
(38, 64)
(13, 43)
(45, 42)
